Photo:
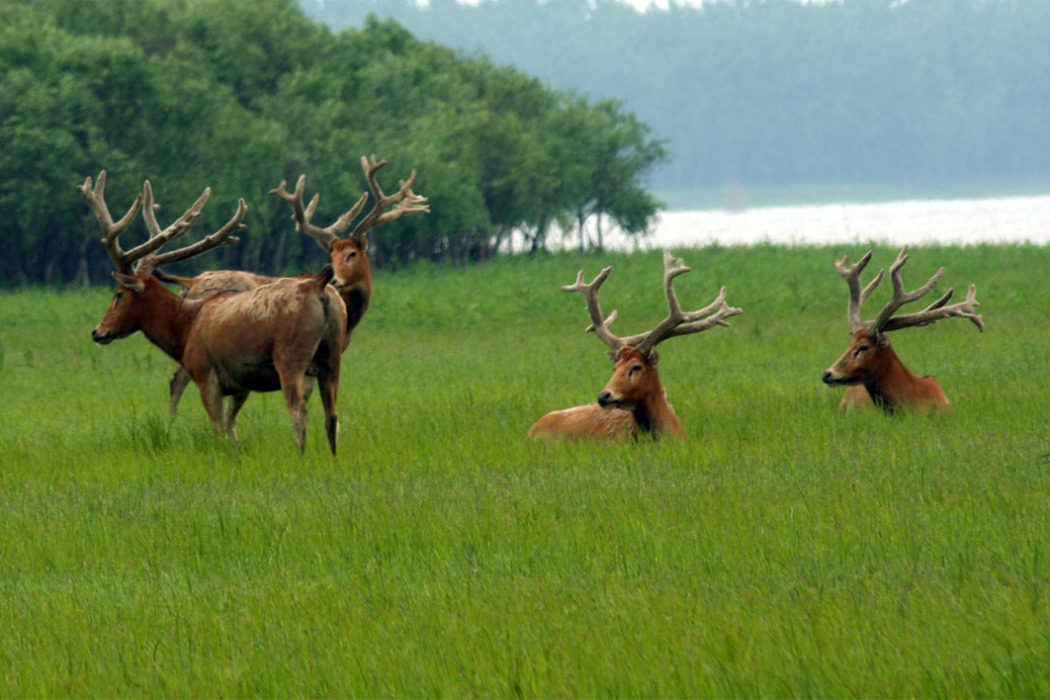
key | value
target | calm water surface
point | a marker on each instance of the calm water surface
(962, 221)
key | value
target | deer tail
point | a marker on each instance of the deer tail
(322, 278)
(185, 282)
(319, 283)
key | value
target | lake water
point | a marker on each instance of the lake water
(960, 221)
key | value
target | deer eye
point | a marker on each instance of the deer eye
(862, 348)
(351, 256)
(634, 368)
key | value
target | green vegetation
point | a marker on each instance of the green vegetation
(785, 550)
(241, 94)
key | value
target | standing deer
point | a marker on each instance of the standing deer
(266, 339)
(870, 367)
(349, 255)
(633, 402)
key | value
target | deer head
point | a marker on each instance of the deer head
(125, 316)
(635, 359)
(133, 267)
(350, 254)
(869, 352)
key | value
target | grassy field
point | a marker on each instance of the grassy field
(784, 550)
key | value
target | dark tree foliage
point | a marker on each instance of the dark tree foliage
(784, 92)
(239, 95)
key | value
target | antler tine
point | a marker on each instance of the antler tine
(599, 324)
(407, 200)
(857, 296)
(96, 198)
(900, 297)
(938, 310)
(677, 322)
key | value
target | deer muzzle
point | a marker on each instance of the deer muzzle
(102, 338)
(834, 378)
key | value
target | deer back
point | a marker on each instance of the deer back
(585, 422)
(245, 336)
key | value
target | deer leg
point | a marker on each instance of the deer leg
(292, 386)
(179, 381)
(211, 396)
(856, 398)
(234, 407)
(329, 390)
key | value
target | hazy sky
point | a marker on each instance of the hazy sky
(639, 4)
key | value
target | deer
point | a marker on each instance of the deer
(349, 255)
(870, 368)
(267, 339)
(633, 402)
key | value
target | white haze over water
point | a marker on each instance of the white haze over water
(919, 222)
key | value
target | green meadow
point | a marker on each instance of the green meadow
(786, 549)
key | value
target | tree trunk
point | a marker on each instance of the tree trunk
(278, 254)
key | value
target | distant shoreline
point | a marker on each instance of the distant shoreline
(739, 197)
(984, 220)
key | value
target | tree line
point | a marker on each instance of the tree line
(238, 95)
(784, 92)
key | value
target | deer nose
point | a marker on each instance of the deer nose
(605, 398)
(827, 376)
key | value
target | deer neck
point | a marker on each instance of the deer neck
(655, 416)
(168, 321)
(890, 382)
(357, 299)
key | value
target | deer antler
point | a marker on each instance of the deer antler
(599, 324)
(96, 197)
(677, 322)
(406, 200)
(885, 321)
(145, 256)
(327, 235)
(857, 297)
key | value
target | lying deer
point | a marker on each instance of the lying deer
(349, 255)
(266, 339)
(870, 367)
(633, 402)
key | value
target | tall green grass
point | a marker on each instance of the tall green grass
(785, 549)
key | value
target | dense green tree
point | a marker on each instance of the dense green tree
(238, 96)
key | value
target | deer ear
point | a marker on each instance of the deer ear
(129, 281)
(612, 356)
(654, 358)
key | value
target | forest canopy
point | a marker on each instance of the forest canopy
(239, 95)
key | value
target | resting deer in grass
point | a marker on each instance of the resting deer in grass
(266, 339)
(633, 402)
(349, 255)
(870, 367)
